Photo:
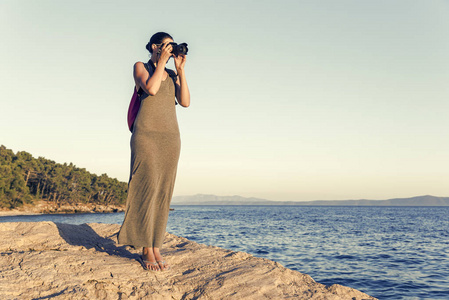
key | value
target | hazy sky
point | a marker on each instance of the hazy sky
(291, 100)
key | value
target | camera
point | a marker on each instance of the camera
(179, 49)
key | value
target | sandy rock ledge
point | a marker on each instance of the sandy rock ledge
(46, 260)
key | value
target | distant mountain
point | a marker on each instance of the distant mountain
(201, 199)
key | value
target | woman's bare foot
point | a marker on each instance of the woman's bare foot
(149, 260)
(160, 260)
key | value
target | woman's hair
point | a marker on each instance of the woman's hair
(157, 38)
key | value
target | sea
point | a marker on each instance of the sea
(386, 252)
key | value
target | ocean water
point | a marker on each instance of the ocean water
(386, 252)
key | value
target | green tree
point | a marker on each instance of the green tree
(24, 178)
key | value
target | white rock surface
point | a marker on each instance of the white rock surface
(46, 260)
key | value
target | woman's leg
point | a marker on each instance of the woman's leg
(147, 254)
(160, 260)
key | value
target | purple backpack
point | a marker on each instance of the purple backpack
(133, 109)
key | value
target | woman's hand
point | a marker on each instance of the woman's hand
(165, 54)
(180, 62)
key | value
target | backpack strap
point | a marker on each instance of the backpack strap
(150, 69)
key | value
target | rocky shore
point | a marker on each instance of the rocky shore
(45, 260)
(48, 207)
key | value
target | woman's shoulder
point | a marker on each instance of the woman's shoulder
(138, 65)
(141, 68)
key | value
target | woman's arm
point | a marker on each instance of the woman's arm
(151, 85)
(182, 90)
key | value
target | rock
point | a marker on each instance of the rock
(61, 261)
(48, 207)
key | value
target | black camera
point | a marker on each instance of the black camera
(179, 49)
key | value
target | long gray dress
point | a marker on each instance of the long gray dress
(155, 148)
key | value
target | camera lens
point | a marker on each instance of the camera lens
(179, 49)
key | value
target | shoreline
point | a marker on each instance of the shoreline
(12, 213)
(85, 261)
(47, 207)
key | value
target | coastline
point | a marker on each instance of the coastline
(48, 207)
(78, 261)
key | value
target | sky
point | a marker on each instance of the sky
(290, 100)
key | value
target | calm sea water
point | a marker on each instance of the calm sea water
(386, 252)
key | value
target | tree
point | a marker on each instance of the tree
(24, 178)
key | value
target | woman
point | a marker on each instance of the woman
(155, 147)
